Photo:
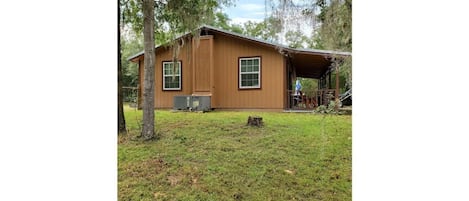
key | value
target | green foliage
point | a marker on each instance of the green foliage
(315, 42)
(131, 14)
(321, 109)
(323, 6)
(129, 47)
(308, 85)
(346, 71)
(342, 81)
(237, 28)
(172, 17)
(215, 156)
(329, 109)
(222, 21)
(296, 39)
(335, 32)
(268, 29)
(130, 69)
(336, 25)
(187, 15)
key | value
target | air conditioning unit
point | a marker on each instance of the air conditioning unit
(182, 102)
(201, 103)
(194, 103)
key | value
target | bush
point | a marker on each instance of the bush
(330, 109)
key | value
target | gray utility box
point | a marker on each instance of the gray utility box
(197, 103)
(182, 102)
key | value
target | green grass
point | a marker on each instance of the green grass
(215, 156)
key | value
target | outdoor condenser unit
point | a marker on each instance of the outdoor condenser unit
(200, 103)
(182, 102)
(195, 103)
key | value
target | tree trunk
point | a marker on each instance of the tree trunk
(120, 104)
(149, 71)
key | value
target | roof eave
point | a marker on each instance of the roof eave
(134, 57)
(248, 38)
(260, 41)
(317, 52)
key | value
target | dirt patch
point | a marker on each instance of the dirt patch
(141, 169)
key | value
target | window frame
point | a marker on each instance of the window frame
(259, 73)
(164, 76)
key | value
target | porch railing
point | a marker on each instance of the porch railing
(309, 99)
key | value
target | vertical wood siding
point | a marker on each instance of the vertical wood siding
(164, 99)
(227, 51)
(216, 72)
(202, 65)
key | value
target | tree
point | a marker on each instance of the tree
(221, 20)
(296, 39)
(268, 29)
(335, 32)
(120, 104)
(163, 20)
(130, 47)
(148, 130)
(331, 21)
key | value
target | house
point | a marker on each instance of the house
(237, 72)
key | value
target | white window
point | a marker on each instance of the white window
(171, 76)
(250, 73)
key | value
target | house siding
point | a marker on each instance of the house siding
(227, 52)
(164, 99)
(214, 70)
(203, 65)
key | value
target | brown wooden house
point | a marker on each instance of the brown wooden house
(236, 72)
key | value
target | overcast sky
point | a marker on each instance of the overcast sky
(246, 10)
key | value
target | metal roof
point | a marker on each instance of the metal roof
(272, 44)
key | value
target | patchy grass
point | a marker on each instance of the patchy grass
(215, 156)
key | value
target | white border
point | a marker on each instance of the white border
(239, 72)
(180, 77)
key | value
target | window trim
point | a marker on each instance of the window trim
(259, 72)
(180, 76)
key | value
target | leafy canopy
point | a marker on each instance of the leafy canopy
(172, 17)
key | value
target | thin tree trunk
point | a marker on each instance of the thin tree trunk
(120, 103)
(149, 71)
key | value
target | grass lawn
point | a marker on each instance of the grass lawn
(215, 156)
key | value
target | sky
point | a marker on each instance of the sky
(245, 10)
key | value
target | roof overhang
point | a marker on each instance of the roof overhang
(311, 63)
